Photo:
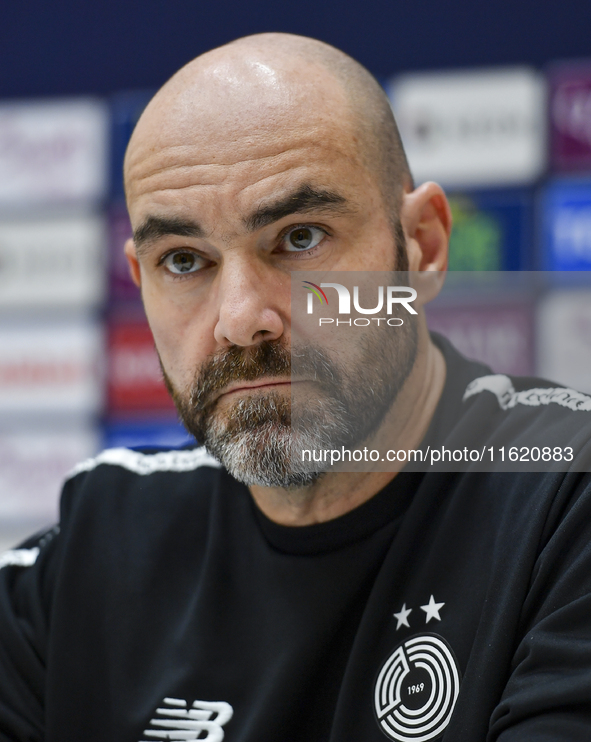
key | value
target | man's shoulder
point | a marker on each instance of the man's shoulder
(535, 420)
(531, 419)
(146, 462)
(522, 393)
(474, 386)
(136, 478)
(519, 402)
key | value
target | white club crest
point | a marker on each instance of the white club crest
(202, 721)
(417, 689)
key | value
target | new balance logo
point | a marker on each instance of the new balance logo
(202, 721)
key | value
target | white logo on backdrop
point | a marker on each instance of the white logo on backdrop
(472, 128)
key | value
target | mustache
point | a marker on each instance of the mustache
(269, 358)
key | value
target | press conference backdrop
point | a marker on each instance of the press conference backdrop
(78, 371)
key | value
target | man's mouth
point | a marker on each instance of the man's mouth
(259, 384)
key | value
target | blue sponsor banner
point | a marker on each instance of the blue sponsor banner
(566, 224)
(492, 230)
(126, 108)
(163, 433)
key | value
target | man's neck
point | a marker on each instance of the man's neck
(337, 493)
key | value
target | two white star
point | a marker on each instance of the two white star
(431, 611)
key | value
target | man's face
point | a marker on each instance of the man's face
(223, 208)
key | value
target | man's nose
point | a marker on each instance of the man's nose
(254, 303)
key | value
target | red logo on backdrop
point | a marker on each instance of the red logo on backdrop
(135, 380)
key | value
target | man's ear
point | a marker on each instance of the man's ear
(426, 219)
(134, 266)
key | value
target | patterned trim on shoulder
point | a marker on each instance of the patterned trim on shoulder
(502, 386)
(28, 557)
(148, 463)
(19, 557)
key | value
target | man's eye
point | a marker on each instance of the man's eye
(303, 238)
(183, 262)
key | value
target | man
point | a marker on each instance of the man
(184, 599)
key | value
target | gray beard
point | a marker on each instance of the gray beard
(257, 444)
(260, 437)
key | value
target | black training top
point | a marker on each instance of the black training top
(450, 606)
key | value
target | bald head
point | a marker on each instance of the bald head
(256, 89)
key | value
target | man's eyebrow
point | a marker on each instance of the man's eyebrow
(305, 198)
(155, 227)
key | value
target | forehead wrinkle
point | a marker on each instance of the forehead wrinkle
(178, 176)
(186, 157)
(151, 155)
(181, 153)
